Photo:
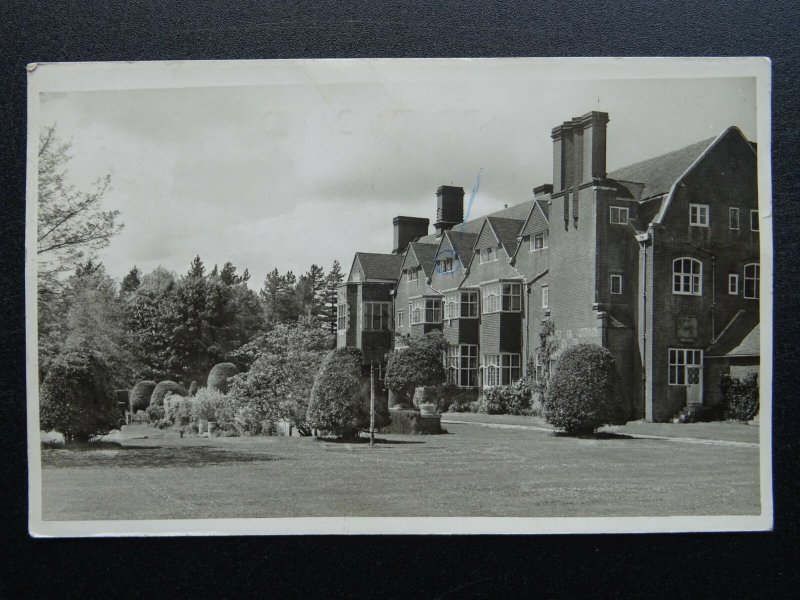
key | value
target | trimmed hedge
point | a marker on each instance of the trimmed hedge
(139, 396)
(741, 397)
(584, 391)
(77, 398)
(163, 388)
(219, 375)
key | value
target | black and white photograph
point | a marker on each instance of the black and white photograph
(424, 296)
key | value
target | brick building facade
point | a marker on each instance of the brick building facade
(657, 261)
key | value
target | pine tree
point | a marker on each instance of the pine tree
(131, 281)
(228, 274)
(310, 291)
(332, 281)
(245, 276)
(197, 268)
(214, 271)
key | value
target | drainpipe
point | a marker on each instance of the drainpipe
(644, 239)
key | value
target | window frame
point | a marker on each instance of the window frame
(342, 317)
(620, 211)
(443, 265)
(499, 369)
(384, 315)
(546, 297)
(536, 237)
(755, 279)
(733, 278)
(733, 210)
(615, 277)
(454, 303)
(692, 281)
(412, 275)
(421, 310)
(679, 365)
(495, 296)
(483, 253)
(695, 218)
(401, 318)
(462, 368)
(754, 213)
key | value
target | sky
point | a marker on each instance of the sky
(311, 167)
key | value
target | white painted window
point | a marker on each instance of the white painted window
(487, 255)
(401, 318)
(618, 215)
(685, 366)
(446, 265)
(733, 218)
(461, 305)
(376, 316)
(753, 220)
(616, 284)
(426, 310)
(502, 297)
(752, 279)
(698, 215)
(733, 284)
(538, 242)
(687, 276)
(341, 318)
(412, 275)
(545, 296)
(463, 365)
(500, 369)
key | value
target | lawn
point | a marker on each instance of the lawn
(472, 471)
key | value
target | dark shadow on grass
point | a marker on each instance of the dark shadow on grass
(148, 456)
(81, 446)
(365, 440)
(599, 435)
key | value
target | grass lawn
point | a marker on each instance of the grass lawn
(473, 471)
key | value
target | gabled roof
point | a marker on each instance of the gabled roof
(507, 231)
(739, 336)
(379, 266)
(462, 243)
(538, 219)
(750, 345)
(425, 255)
(517, 212)
(656, 175)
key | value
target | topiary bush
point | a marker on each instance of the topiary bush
(741, 397)
(337, 405)
(139, 397)
(163, 388)
(77, 398)
(219, 375)
(583, 392)
(418, 364)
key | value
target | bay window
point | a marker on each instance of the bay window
(500, 369)
(376, 316)
(502, 297)
(341, 318)
(462, 362)
(461, 305)
(426, 310)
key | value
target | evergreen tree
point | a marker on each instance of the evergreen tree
(245, 276)
(228, 274)
(332, 282)
(131, 281)
(197, 268)
(214, 271)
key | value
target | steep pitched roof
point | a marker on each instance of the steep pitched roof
(656, 175)
(538, 219)
(425, 254)
(517, 212)
(462, 243)
(750, 345)
(380, 266)
(507, 231)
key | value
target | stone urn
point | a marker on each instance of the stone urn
(427, 409)
(212, 427)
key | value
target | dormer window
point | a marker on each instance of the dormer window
(412, 275)
(698, 215)
(488, 255)
(446, 265)
(618, 215)
(538, 242)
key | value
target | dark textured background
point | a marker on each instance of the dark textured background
(718, 565)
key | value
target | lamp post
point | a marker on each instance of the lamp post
(371, 403)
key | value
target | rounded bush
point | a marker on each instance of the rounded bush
(155, 413)
(337, 403)
(583, 393)
(219, 374)
(77, 398)
(139, 396)
(163, 388)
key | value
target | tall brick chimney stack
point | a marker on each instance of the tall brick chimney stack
(579, 150)
(406, 230)
(449, 207)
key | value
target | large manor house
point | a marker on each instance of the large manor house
(657, 261)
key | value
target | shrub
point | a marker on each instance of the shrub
(211, 405)
(337, 403)
(514, 399)
(155, 413)
(193, 388)
(491, 401)
(583, 392)
(177, 408)
(419, 364)
(164, 388)
(76, 397)
(139, 397)
(219, 375)
(741, 397)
